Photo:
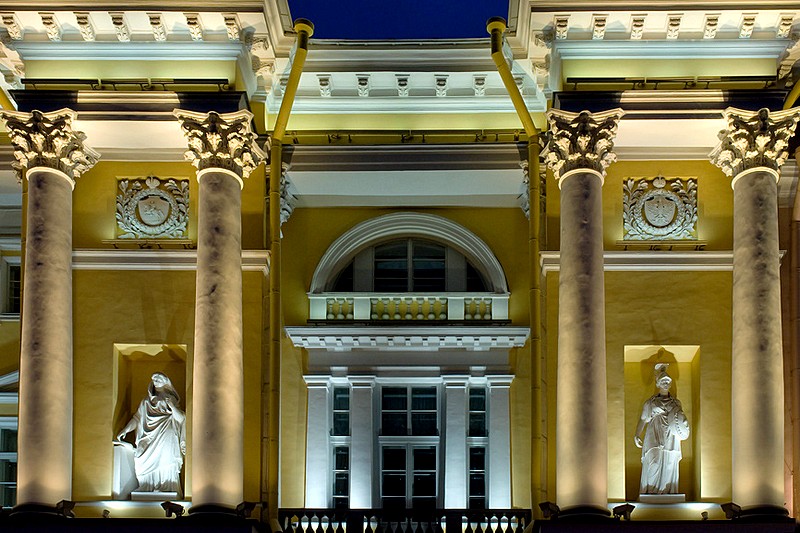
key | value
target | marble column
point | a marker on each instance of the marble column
(51, 155)
(499, 486)
(751, 152)
(223, 149)
(318, 449)
(580, 149)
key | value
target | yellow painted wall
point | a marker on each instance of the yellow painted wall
(131, 69)
(9, 346)
(94, 201)
(714, 200)
(658, 308)
(147, 307)
(307, 235)
(667, 68)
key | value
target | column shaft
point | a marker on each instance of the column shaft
(581, 432)
(499, 486)
(757, 372)
(361, 443)
(45, 390)
(318, 449)
(218, 400)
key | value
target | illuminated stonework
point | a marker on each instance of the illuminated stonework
(581, 140)
(754, 139)
(48, 140)
(224, 141)
(150, 208)
(659, 209)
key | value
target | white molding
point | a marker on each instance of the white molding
(252, 260)
(408, 224)
(10, 378)
(409, 104)
(651, 261)
(130, 51)
(695, 49)
(340, 339)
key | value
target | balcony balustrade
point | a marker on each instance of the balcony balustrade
(371, 307)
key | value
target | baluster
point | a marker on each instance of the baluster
(421, 304)
(408, 314)
(494, 524)
(488, 314)
(329, 306)
(385, 314)
(339, 308)
(373, 308)
(305, 523)
(442, 308)
(468, 308)
(396, 302)
(350, 306)
(324, 524)
(432, 308)
(504, 523)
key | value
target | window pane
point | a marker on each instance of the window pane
(425, 458)
(394, 399)
(477, 458)
(341, 502)
(344, 280)
(14, 284)
(394, 502)
(8, 471)
(424, 484)
(477, 484)
(394, 484)
(394, 424)
(429, 267)
(424, 502)
(341, 398)
(340, 484)
(423, 424)
(391, 267)
(477, 425)
(8, 440)
(341, 457)
(477, 399)
(477, 502)
(423, 398)
(394, 458)
(475, 281)
(341, 423)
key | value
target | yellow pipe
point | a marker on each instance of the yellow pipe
(496, 26)
(793, 95)
(304, 30)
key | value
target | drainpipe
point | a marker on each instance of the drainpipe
(791, 98)
(496, 26)
(304, 29)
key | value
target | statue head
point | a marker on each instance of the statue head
(161, 385)
(663, 381)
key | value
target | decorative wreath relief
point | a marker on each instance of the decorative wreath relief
(659, 209)
(151, 209)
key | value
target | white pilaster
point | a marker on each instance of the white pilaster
(52, 156)
(362, 435)
(499, 482)
(455, 442)
(318, 450)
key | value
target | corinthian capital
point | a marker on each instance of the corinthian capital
(581, 140)
(754, 139)
(221, 141)
(48, 140)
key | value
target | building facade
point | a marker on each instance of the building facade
(407, 280)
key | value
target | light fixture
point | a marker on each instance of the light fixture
(731, 510)
(245, 509)
(623, 511)
(549, 509)
(172, 509)
(65, 507)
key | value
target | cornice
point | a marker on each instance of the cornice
(692, 49)
(116, 51)
(651, 261)
(252, 260)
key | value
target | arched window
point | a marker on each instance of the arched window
(409, 265)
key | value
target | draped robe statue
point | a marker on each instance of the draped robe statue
(664, 426)
(160, 428)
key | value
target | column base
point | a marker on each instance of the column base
(212, 510)
(764, 513)
(35, 510)
(585, 513)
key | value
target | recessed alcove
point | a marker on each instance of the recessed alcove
(684, 368)
(134, 365)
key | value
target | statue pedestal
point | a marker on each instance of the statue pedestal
(662, 498)
(154, 496)
(124, 474)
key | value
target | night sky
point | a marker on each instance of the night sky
(398, 19)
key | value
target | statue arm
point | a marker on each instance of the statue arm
(130, 426)
(643, 420)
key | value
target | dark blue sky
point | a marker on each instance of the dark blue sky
(398, 19)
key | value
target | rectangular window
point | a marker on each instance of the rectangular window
(341, 411)
(13, 285)
(422, 417)
(477, 412)
(8, 464)
(393, 477)
(477, 477)
(429, 272)
(409, 476)
(423, 489)
(341, 477)
(391, 267)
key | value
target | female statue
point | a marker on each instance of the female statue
(160, 428)
(666, 427)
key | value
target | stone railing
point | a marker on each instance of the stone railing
(408, 307)
(404, 520)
